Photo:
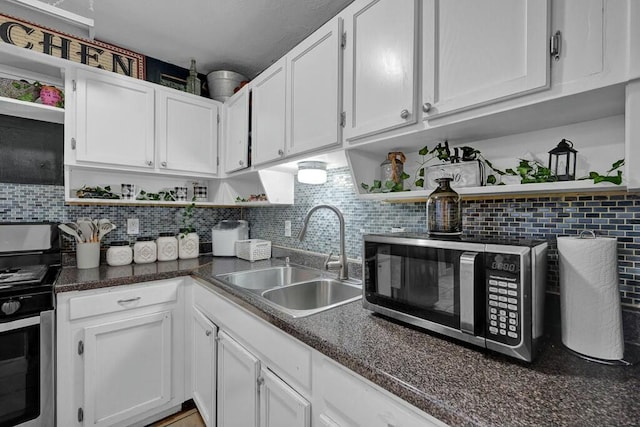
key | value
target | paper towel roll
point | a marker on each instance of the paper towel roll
(591, 315)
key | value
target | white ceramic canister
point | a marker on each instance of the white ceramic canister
(119, 253)
(167, 247)
(188, 244)
(144, 250)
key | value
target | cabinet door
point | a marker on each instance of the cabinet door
(380, 66)
(237, 131)
(187, 132)
(114, 120)
(594, 48)
(203, 367)
(237, 384)
(475, 53)
(127, 368)
(268, 113)
(280, 405)
(315, 83)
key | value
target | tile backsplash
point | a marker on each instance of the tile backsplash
(616, 215)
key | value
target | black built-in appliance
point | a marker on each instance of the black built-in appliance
(30, 261)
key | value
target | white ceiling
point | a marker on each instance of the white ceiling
(239, 35)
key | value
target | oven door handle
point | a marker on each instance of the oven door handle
(20, 323)
(467, 288)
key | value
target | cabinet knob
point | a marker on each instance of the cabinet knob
(241, 163)
(404, 114)
(426, 107)
(208, 333)
(149, 163)
(280, 152)
(164, 164)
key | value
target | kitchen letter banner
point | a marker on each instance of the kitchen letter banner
(590, 308)
(41, 39)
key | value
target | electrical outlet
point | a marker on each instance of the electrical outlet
(133, 226)
(287, 228)
(397, 229)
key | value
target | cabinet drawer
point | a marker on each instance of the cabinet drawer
(124, 298)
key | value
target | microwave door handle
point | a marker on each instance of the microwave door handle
(467, 298)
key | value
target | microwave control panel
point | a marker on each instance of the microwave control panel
(504, 298)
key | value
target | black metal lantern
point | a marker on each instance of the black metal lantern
(562, 161)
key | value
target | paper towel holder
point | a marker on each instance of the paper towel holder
(573, 342)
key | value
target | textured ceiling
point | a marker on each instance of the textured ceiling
(240, 35)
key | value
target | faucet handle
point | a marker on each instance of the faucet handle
(326, 261)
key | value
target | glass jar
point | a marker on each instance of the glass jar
(144, 250)
(444, 213)
(188, 244)
(167, 247)
(392, 169)
(119, 253)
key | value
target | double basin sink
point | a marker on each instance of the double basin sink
(297, 291)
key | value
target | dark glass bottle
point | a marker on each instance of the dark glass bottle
(444, 213)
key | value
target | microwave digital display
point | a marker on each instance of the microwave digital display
(504, 262)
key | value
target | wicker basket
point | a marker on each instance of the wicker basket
(253, 249)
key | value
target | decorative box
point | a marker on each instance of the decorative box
(463, 174)
(253, 249)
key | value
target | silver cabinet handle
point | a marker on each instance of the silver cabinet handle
(404, 114)
(164, 164)
(149, 163)
(280, 152)
(208, 333)
(426, 107)
(124, 301)
(241, 163)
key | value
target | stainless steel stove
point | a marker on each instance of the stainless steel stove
(30, 261)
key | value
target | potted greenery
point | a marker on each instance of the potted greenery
(188, 242)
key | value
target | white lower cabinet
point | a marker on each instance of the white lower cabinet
(238, 371)
(119, 354)
(280, 405)
(232, 386)
(267, 378)
(121, 362)
(203, 366)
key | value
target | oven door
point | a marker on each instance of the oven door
(26, 371)
(437, 288)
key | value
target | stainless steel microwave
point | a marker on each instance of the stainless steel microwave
(489, 293)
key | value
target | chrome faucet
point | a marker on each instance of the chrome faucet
(342, 262)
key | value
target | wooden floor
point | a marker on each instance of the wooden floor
(189, 418)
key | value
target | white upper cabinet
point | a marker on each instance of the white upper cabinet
(114, 120)
(314, 97)
(237, 131)
(475, 53)
(594, 43)
(268, 115)
(380, 66)
(186, 132)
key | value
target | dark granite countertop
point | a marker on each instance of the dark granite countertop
(457, 384)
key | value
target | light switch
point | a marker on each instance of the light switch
(287, 228)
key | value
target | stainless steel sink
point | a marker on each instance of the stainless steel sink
(270, 278)
(311, 297)
(297, 291)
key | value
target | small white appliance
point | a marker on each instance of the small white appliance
(225, 234)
